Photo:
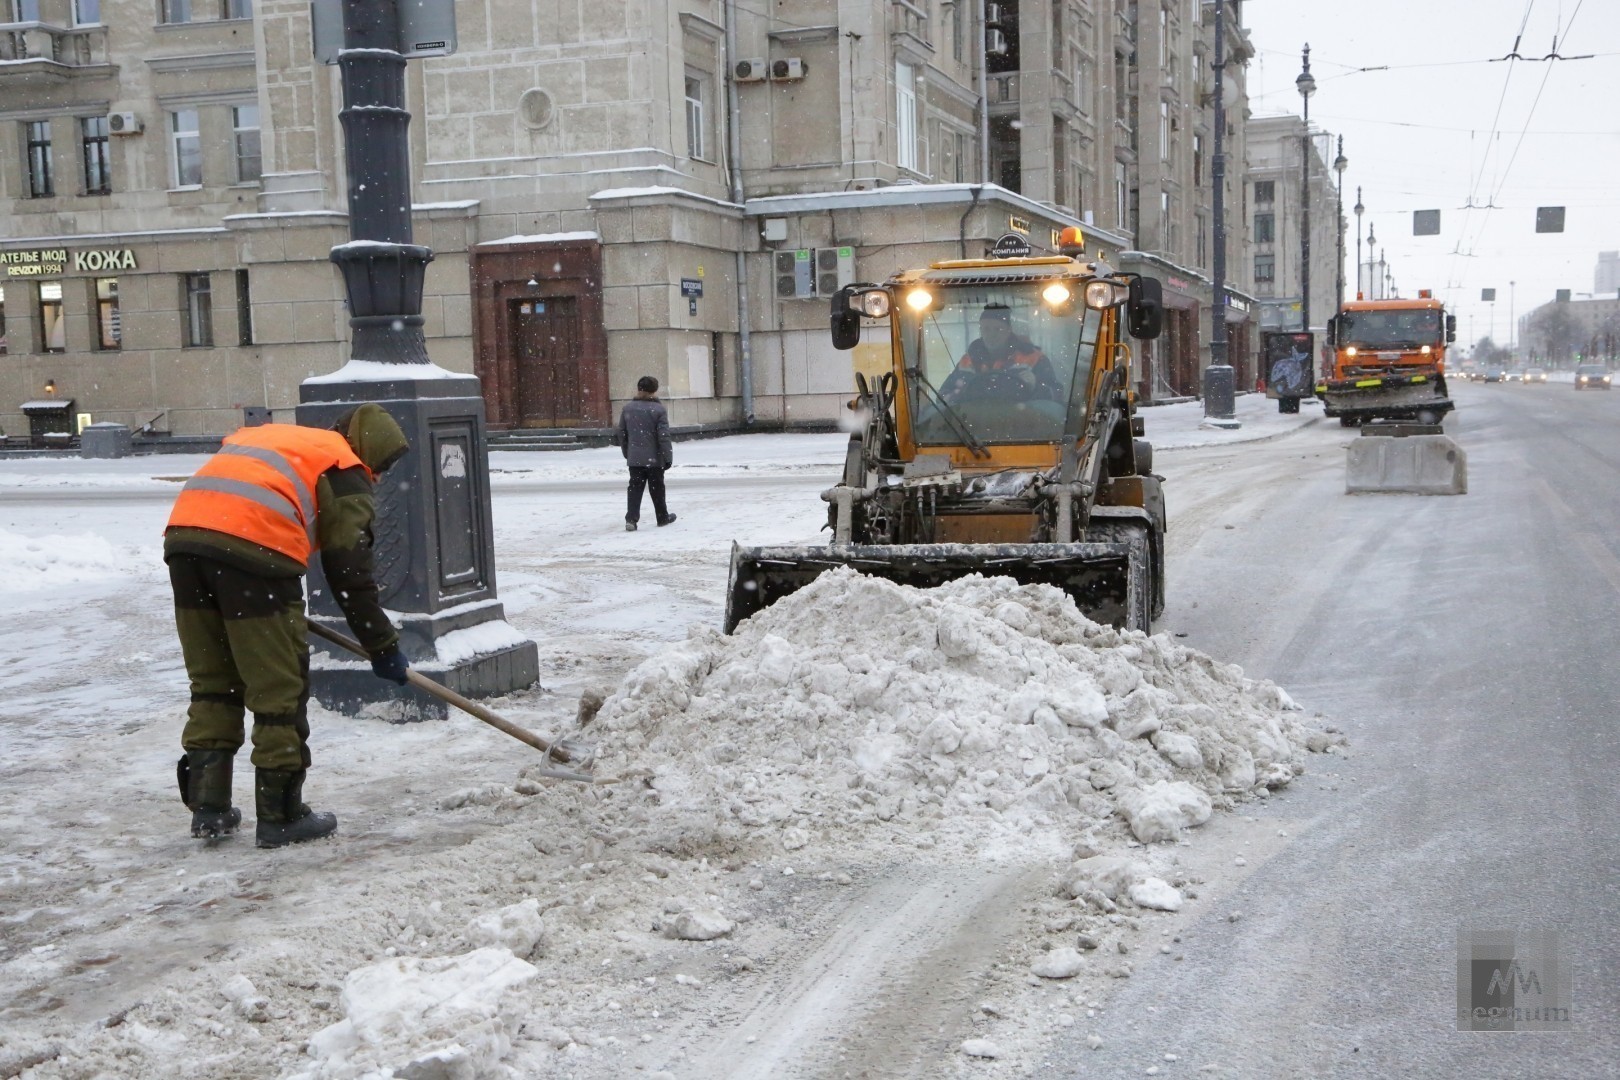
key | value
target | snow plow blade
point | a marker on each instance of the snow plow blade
(1393, 397)
(1096, 575)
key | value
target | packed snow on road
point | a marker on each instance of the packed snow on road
(875, 821)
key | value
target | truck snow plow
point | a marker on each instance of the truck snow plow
(1002, 440)
(1389, 361)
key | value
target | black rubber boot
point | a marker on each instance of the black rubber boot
(283, 817)
(205, 787)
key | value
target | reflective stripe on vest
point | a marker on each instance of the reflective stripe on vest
(261, 486)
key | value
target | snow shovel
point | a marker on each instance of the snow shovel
(559, 750)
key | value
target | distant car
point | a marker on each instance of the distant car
(1592, 377)
(1534, 374)
(1494, 375)
(1513, 376)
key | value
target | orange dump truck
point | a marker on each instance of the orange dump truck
(1389, 361)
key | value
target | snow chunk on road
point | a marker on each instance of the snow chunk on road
(516, 927)
(1162, 810)
(1155, 893)
(1064, 963)
(411, 1015)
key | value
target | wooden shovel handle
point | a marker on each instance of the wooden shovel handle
(557, 751)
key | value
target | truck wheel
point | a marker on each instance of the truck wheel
(1135, 609)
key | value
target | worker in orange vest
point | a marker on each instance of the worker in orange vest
(238, 543)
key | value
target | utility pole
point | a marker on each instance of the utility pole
(1220, 391)
(1358, 209)
(1340, 163)
(1306, 84)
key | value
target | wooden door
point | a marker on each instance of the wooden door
(545, 340)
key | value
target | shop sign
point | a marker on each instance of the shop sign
(1018, 224)
(1177, 283)
(53, 262)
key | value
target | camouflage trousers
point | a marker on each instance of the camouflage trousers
(245, 647)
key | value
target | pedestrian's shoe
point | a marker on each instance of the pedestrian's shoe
(205, 788)
(666, 521)
(629, 526)
(283, 817)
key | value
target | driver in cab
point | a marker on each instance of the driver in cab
(1002, 366)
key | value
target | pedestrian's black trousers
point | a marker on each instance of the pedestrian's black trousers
(650, 477)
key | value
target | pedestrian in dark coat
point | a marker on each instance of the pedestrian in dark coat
(643, 435)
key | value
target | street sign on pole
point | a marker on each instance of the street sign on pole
(426, 28)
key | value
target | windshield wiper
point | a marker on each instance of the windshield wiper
(952, 417)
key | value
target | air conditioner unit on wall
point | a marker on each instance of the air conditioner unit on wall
(124, 123)
(787, 69)
(795, 279)
(750, 71)
(835, 268)
(995, 43)
(992, 14)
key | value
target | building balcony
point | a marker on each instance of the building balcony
(38, 53)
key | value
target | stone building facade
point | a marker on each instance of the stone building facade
(1274, 202)
(610, 189)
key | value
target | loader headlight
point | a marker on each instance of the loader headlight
(1056, 294)
(1100, 295)
(919, 299)
(1351, 351)
(875, 304)
(1426, 350)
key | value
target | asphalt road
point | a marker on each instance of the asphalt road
(1467, 646)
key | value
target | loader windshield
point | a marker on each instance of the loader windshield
(1382, 329)
(996, 361)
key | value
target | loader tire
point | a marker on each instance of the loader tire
(1136, 610)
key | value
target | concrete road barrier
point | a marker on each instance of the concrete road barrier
(1409, 465)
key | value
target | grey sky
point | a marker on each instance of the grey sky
(1426, 134)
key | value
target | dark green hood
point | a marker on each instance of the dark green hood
(374, 436)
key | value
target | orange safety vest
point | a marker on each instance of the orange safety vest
(261, 486)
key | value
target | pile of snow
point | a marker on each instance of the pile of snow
(980, 711)
(50, 562)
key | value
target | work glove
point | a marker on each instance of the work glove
(390, 664)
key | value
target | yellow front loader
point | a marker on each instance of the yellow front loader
(1003, 440)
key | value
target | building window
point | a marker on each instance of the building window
(37, 138)
(97, 164)
(198, 304)
(3, 348)
(696, 128)
(1119, 195)
(1057, 35)
(244, 310)
(1203, 249)
(86, 12)
(238, 9)
(1265, 268)
(52, 327)
(905, 114)
(1265, 228)
(1265, 191)
(187, 146)
(1082, 84)
(1198, 160)
(25, 10)
(249, 161)
(109, 325)
(176, 11)
(1164, 131)
(1060, 162)
(959, 20)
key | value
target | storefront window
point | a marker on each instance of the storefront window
(53, 328)
(109, 324)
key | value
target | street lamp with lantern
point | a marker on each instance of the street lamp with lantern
(1340, 163)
